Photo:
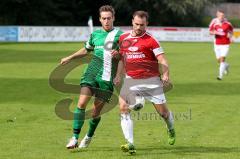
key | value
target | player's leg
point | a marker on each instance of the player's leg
(126, 121)
(79, 116)
(127, 127)
(221, 67)
(222, 52)
(169, 120)
(93, 123)
(227, 66)
(157, 97)
(217, 50)
(103, 94)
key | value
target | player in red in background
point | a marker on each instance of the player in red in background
(222, 29)
(140, 53)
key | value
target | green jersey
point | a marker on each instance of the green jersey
(103, 66)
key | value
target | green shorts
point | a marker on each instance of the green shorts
(101, 89)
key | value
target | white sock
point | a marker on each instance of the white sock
(222, 68)
(127, 127)
(170, 121)
(226, 65)
(87, 137)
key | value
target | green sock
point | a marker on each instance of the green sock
(93, 123)
(78, 120)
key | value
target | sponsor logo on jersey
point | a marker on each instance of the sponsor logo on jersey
(99, 47)
(135, 55)
(220, 31)
(133, 48)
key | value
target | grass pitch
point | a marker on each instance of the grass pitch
(207, 111)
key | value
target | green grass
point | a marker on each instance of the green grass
(207, 111)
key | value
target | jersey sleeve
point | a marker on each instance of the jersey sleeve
(124, 44)
(211, 25)
(89, 44)
(156, 48)
(121, 44)
(230, 27)
(117, 47)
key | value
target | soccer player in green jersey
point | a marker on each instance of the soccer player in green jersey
(98, 78)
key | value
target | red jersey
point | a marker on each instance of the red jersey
(223, 30)
(139, 55)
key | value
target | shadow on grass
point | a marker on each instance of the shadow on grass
(38, 90)
(192, 149)
(183, 150)
(206, 88)
(32, 56)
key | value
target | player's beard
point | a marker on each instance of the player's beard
(139, 32)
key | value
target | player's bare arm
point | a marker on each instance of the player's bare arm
(80, 53)
(115, 53)
(164, 65)
(212, 32)
(230, 36)
(117, 79)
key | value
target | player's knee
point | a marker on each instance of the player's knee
(95, 113)
(123, 108)
(222, 59)
(164, 115)
(81, 105)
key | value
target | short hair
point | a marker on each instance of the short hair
(141, 14)
(220, 10)
(106, 8)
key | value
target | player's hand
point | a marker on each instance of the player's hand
(229, 35)
(165, 79)
(215, 32)
(219, 33)
(115, 53)
(65, 60)
(117, 80)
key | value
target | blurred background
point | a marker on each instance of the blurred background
(191, 13)
(36, 34)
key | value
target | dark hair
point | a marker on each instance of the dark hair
(141, 14)
(220, 10)
(106, 8)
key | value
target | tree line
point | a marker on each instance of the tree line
(77, 12)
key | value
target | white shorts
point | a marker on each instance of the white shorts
(150, 88)
(221, 50)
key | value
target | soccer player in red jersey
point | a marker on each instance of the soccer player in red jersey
(140, 57)
(222, 29)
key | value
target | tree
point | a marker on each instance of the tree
(48, 12)
(164, 12)
(76, 12)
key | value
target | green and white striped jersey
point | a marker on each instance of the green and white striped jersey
(102, 43)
